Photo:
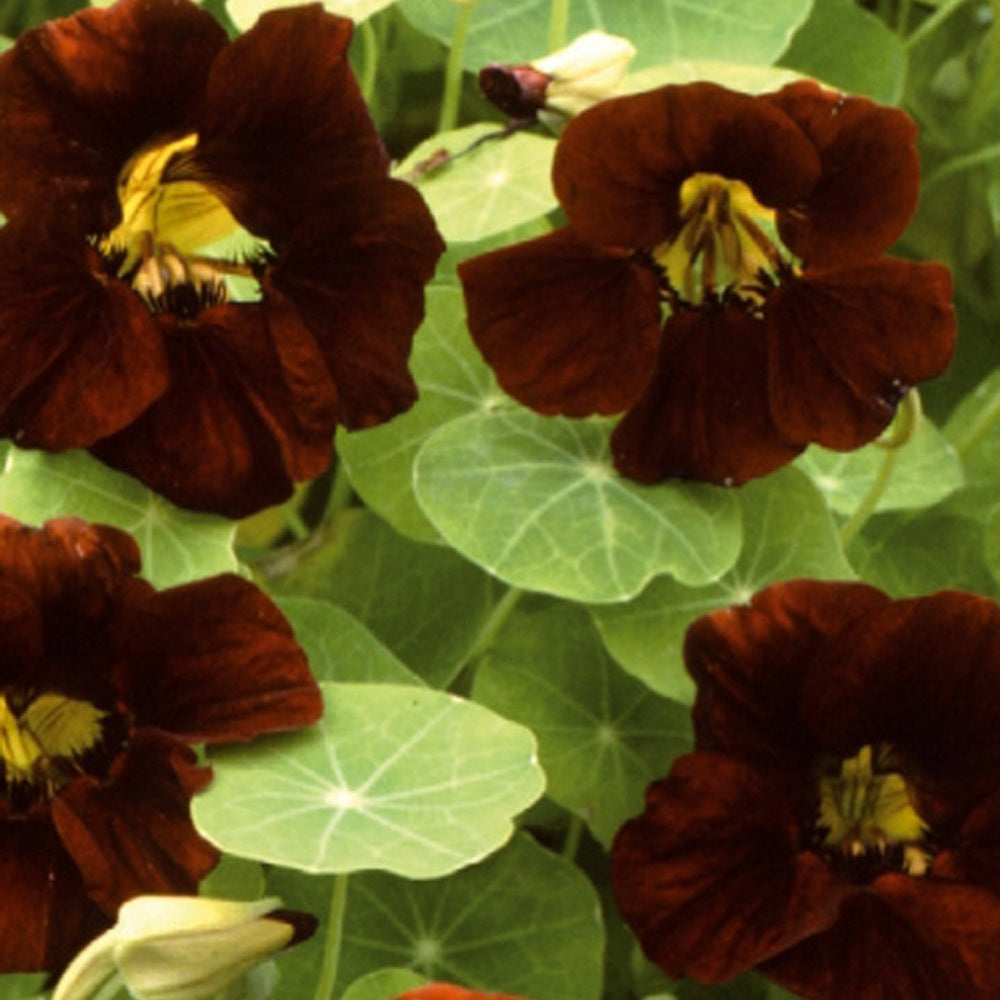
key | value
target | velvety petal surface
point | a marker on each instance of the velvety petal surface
(620, 165)
(712, 877)
(566, 328)
(354, 279)
(284, 127)
(750, 662)
(46, 916)
(704, 413)
(904, 938)
(81, 95)
(924, 676)
(869, 182)
(846, 344)
(223, 435)
(214, 661)
(132, 833)
(80, 356)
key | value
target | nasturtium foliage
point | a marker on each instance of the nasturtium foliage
(492, 182)
(245, 12)
(523, 922)
(927, 471)
(602, 735)
(789, 533)
(515, 31)
(177, 545)
(394, 777)
(454, 381)
(424, 602)
(385, 984)
(536, 501)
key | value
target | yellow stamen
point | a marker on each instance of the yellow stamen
(50, 730)
(719, 244)
(184, 214)
(866, 808)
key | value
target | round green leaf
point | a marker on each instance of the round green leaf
(177, 545)
(339, 647)
(602, 736)
(453, 380)
(974, 433)
(516, 31)
(536, 501)
(927, 471)
(394, 777)
(502, 183)
(524, 922)
(788, 533)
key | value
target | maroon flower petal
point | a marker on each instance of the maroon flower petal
(215, 661)
(132, 833)
(712, 877)
(567, 328)
(620, 165)
(225, 436)
(284, 124)
(750, 661)
(80, 356)
(46, 916)
(21, 633)
(906, 937)
(81, 95)
(975, 857)
(68, 566)
(846, 344)
(924, 676)
(704, 413)
(870, 176)
(355, 280)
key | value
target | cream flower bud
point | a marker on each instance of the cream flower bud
(569, 81)
(182, 947)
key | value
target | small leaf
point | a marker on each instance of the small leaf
(789, 533)
(502, 183)
(177, 545)
(974, 432)
(245, 12)
(339, 647)
(386, 984)
(536, 501)
(602, 736)
(395, 777)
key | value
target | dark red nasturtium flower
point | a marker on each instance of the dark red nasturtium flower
(757, 224)
(136, 137)
(838, 824)
(448, 991)
(104, 685)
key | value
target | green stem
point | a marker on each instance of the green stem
(293, 519)
(369, 43)
(453, 70)
(573, 834)
(491, 627)
(986, 420)
(903, 13)
(334, 939)
(341, 490)
(959, 163)
(558, 24)
(930, 24)
(906, 425)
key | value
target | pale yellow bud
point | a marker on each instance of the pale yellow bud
(182, 947)
(588, 70)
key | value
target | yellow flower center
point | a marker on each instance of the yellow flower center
(184, 215)
(866, 813)
(721, 243)
(43, 739)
